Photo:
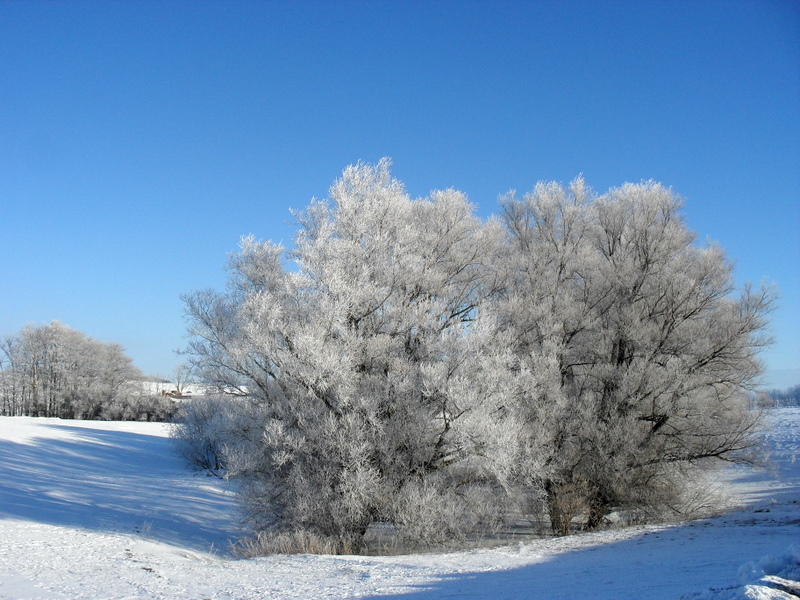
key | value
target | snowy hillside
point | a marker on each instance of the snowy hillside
(106, 510)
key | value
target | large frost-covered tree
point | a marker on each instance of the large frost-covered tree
(407, 362)
(632, 347)
(368, 362)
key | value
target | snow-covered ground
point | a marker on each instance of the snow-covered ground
(107, 510)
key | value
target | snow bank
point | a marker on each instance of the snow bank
(771, 578)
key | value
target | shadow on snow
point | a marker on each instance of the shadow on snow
(675, 561)
(114, 481)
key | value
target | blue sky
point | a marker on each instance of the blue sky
(140, 140)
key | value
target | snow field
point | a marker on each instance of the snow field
(97, 510)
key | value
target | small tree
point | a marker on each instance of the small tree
(182, 375)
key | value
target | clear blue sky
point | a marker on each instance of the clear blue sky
(140, 140)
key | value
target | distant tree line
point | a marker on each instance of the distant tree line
(788, 397)
(419, 367)
(55, 371)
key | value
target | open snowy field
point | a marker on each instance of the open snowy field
(107, 510)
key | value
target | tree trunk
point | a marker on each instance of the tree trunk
(599, 508)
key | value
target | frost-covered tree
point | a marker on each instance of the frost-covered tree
(632, 347)
(55, 371)
(368, 361)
